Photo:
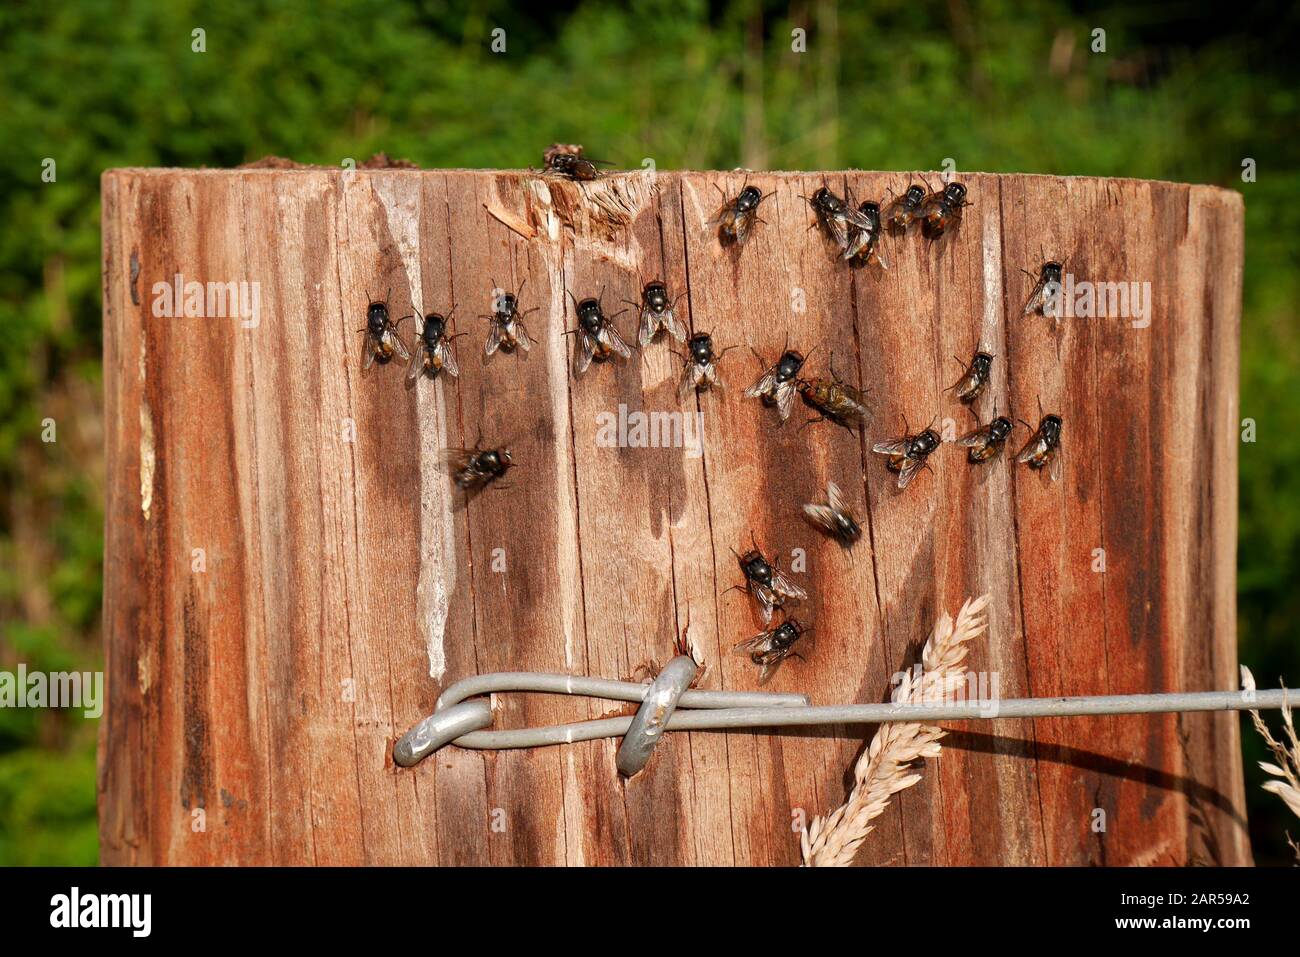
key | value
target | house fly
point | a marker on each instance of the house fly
(381, 341)
(777, 385)
(597, 337)
(735, 219)
(907, 455)
(834, 518)
(432, 353)
(771, 647)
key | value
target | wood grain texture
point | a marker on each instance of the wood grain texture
(253, 702)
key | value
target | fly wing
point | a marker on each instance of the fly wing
(767, 599)
(586, 350)
(711, 375)
(447, 357)
(744, 225)
(520, 334)
(785, 398)
(892, 447)
(369, 349)
(822, 516)
(834, 498)
(453, 460)
(1033, 450)
(760, 644)
(976, 438)
(614, 341)
(764, 386)
(1054, 463)
(416, 365)
(783, 586)
(394, 342)
(861, 240)
(692, 375)
(909, 471)
(835, 228)
(495, 338)
(648, 328)
(1038, 298)
(966, 386)
(674, 327)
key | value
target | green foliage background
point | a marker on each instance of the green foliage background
(1179, 94)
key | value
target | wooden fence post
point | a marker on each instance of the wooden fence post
(289, 582)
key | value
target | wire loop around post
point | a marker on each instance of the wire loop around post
(652, 717)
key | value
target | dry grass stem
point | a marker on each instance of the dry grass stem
(1286, 754)
(888, 765)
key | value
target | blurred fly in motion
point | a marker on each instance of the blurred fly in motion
(769, 648)
(657, 314)
(735, 219)
(834, 518)
(974, 378)
(864, 244)
(381, 341)
(432, 352)
(777, 385)
(770, 588)
(568, 160)
(835, 399)
(507, 331)
(942, 211)
(597, 337)
(907, 455)
(905, 209)
(986, 441)
(477, 468)
(700, 366)
(837, 217)
(1045, 298)
(1043, 450)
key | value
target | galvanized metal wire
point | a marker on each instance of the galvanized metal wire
(461, 715)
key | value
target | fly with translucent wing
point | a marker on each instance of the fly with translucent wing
(598, 339)
(986, 441)
(699, 366)
(834, 518)
(381, 341)
(476, 469)
(907, 455)
(835, 400)
(657, 314)
(942, 211)
(569, 161)
(506, 330)
(736, 217)
(864, 244)
(1045, 297)
(1043, 450)
(778, 384)
(905, 209)
(766, 582)
(974, 378)
(433, 353)
(769, 648)
(837, 217)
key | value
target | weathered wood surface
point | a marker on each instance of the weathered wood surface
(340, 588)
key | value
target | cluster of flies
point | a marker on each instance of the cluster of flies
(855, 232)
